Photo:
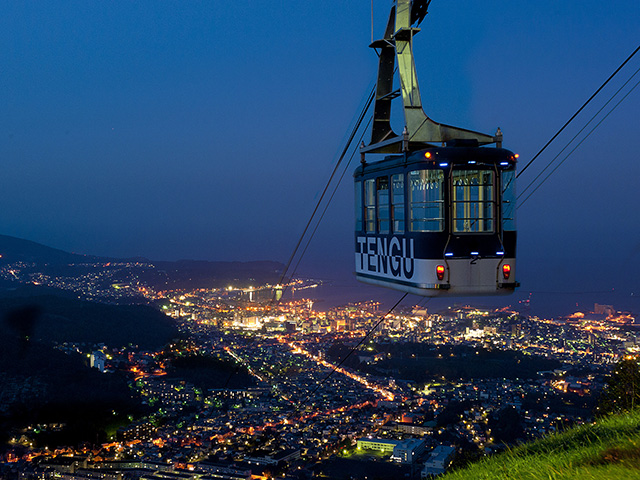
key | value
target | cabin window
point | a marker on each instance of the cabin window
(472, 201)
(358, 204)
(397, 202)
(382, 193)
(370, 205)
(509, 200)
(426, 201)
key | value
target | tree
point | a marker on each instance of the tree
(622, 392)
(505, 425)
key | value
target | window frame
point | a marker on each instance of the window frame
(468, 202)
(369, 193)
(383, 223)
(508, 197)
(429, 203)
(359, 201)
(398, 205)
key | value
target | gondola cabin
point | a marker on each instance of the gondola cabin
(430, 220)
(438, 221)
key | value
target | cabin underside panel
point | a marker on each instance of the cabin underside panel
(461, 276)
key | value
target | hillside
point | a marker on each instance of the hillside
(39, 384)
(421, 362)
(52, 318)
(29, 258)
(14, 249)
(609, 449)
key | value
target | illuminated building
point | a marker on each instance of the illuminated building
(97, 360)
(380, 444)
(408, 450)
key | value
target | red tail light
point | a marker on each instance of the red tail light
(506, 271)
(440, 272)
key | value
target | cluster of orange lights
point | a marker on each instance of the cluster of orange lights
(385, 393)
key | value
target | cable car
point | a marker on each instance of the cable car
(438, 221)
(435, 216)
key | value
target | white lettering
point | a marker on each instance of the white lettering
(394, 251)
(381, 255)
(361, 245)
(371, 247)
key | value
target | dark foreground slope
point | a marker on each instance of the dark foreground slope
(609, 449)
(40, 384)
(49, 316)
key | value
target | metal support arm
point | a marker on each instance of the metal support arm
(420, 130)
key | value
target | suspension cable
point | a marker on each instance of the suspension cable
(580, 143)
(335, 169)
(326, 206)
(579, 110)
(578, 134)
(344, 359)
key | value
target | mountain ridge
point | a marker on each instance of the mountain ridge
(12, 247)
(184, 273)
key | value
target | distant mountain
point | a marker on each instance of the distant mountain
(15, 249)
(163, 275)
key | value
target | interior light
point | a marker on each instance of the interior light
(475, 253)
(499, 253)
(444, 164)
(427, 155)
(448, 254)
(504, 163)
(472, 161)
(506, 271)
(440, 272)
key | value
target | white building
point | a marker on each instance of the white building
(380, 444)
(407, 450)
(439, 460)
(98, 360)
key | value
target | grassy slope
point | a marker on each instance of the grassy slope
(610, 449)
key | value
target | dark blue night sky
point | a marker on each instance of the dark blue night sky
(207, 130)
